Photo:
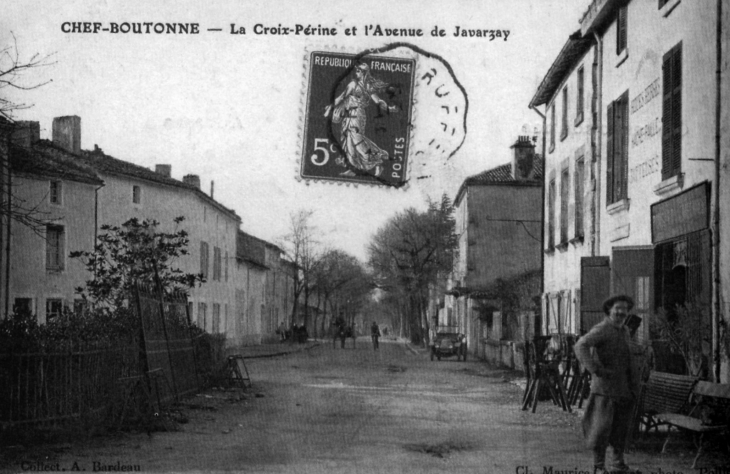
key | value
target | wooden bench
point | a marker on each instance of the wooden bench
(663, 393)
(709, 413)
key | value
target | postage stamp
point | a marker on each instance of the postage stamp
(357, 118)
(380, 117)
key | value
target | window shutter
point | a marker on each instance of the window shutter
(677, 110)
(609, 155)
(623, 170)
(594, 289)
(621, 30)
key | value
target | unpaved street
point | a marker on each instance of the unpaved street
(335, 410)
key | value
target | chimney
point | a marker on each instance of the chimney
(67, 133)
(523, 159)
(212, 183)
(164, 170)
(192, 180)
(25, 133)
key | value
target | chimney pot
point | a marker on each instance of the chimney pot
(67, 133)
(26, 133)
(164, 170)
(212, 184)
(192, 180)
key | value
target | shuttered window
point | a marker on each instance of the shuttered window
(564, 121)
(595, 281)
(578, 186)
(621, 29)
(552, 127)
(551, 215)
(617, 152)
(55, 248)
(564, 195)
(204, 259)
(672, 113)
(579, 96)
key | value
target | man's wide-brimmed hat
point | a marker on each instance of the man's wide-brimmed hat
(613, 299)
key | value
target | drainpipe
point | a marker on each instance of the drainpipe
(544, 177)
(7, 242)
(717, 307)
(596, 221)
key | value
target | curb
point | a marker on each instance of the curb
(276, 354)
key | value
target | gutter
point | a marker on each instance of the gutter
(717, 310)
(542, 210)
(596, 221)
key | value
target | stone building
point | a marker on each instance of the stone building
(498, 222)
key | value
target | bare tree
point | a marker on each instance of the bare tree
(15, 74)
(302, 248)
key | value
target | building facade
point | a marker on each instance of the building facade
(657, 73)
(498, 222)
(58, 197)
(568, 94)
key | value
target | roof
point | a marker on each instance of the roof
(44, 159)
(573, 50)
(251, 249)
(501, 176)
(103, 163)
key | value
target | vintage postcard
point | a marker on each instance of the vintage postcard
(364, 236)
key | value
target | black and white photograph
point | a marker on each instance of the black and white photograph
(413, 236)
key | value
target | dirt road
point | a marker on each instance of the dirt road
(357, 410)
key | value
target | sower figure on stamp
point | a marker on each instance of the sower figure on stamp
(605, 352)
(350, 110)
(375, 334)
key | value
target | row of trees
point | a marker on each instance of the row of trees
(328, 281)
(406, 256)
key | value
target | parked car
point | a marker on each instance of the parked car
(447, 344)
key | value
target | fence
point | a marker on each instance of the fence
(55, 383)
(168, 342)
(58, 385)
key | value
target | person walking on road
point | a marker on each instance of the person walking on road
(606, 353)
(375, 334)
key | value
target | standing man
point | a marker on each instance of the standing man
(375, 334)
(605, 352)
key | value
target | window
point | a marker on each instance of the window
(54, 195)
(578, 186)
(216, 263)
(54, 308)
(579, 96)
(204, 258)
(552, 127)
(202, 308)
(136, 194)
(23, 306)
(672, 113)
(564, 121)
(54, 247)
(216, 318)
(617, 152)
(564, 195)
(551, 215)
(621, 29)
(226, 260)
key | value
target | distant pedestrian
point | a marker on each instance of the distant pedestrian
(375, 334)
(606, 354)
(282, 332)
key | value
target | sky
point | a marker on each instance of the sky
(229, 107)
